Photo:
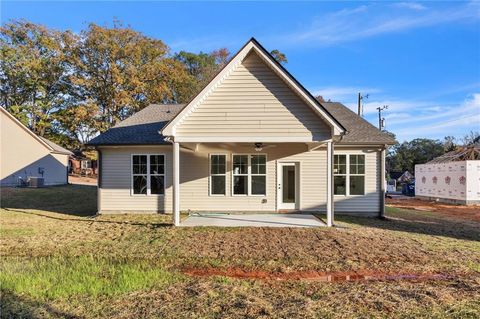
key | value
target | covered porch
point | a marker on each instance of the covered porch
(298, 180)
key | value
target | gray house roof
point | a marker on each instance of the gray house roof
(56, 148)
(358, 129)
(143, 127)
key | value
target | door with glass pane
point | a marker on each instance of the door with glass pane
(287, 186)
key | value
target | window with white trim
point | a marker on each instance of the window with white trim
(258, 171)
(349, 174)
(240, 174)
(218, 174)
(86, 164)
(249, 174)
(148, 174)
(356, 174)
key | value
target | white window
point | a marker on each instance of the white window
(249, 174)
(148, 174)
(357, 175)
(218, 174)
(349, 174)
(258, 171)
(86, 164)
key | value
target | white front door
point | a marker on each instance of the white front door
(287, 188)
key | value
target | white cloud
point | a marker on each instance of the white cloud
(434, 121)
(410, 5)
(367, 21)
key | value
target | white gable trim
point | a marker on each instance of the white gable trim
(26, 129)
(170, 128)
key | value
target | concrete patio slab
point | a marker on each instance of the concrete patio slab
(253, 220)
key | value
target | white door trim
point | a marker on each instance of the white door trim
(279, 186)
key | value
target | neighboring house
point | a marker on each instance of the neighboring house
(24, 155)
(453, 177)
(79, 163)
(254, 139)
(398, 178)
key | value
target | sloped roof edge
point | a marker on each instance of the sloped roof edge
(252, 44)
(51, 146)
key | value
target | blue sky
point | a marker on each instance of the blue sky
(420, 58)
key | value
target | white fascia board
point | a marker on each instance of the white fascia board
(337, 130)
(169, 129)
(244, 139)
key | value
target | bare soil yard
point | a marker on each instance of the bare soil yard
(60, 261)
(455, 211)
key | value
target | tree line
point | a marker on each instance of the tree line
(403, 156)
(70, 86)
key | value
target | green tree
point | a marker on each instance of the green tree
(472, 138)
(120, 71)
(201, 67)
(33, 69)
(449, 143)
(417, 151)
(279, 56)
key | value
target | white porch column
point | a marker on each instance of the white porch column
(382, 183)
(176, 184)
(330, 184)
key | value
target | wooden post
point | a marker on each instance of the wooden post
(330, 213)
(176, 184)
(382, 183)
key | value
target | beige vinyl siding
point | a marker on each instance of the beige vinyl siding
(194, 176)
(21, 155)
(116, 195)
(253, 101)
(370, 202)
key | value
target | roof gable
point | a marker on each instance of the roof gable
(49, 145)
(267, 59)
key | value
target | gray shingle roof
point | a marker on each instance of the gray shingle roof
(141, 128)
(358, 129)
(56, 148)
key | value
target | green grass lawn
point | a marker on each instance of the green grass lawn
(59, 261)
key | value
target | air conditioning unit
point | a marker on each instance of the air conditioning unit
(33, 181)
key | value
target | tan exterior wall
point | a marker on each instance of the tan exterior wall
(253, 101)
(115, 194)
(22, 155)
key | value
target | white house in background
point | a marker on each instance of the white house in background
(253, 140)
(24, 154)
(453, 177)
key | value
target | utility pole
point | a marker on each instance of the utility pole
(359, 104)
(381, 121)
(360, 98)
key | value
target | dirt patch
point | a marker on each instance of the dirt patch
(312, 275)
(82, 180)
(457, 211)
